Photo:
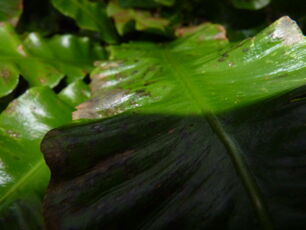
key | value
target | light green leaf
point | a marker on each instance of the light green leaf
(75, 93)
(197, 134)
(23, 172)
(8, 78)
(10, 11)
(44, 61)
(89, 15)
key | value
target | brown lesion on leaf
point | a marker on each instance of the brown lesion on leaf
(20, 49)
(5, 74)
(288, 31)
(42, 80)
(11, 109)
(170, 131)
(147, 83)
(99, 76)
(104, 65)
(105, 103)
(223, 57)
(222, 33)
(183, 31)
(13, 21)
(20, 5)
(143, 93)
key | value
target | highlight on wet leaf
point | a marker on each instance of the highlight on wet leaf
(24, 175)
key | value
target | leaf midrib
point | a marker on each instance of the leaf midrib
(202, 107)
(22, 180)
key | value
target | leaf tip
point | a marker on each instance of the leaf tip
(287, 30)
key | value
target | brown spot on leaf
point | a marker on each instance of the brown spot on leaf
(5, 73)
(245, 50)
(288, 31)
(11, 109)
(171, 131)
(222, 34)
(13, 21)
(183, 31)
(143, 93)
(42, 80)
(20, 49)
(223, 57)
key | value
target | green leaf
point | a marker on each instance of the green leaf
(127, 19)
(75, 93)
(44, 61)
(89, 15)
(250, 4)
(23, 173)
(8, 78)
(197, 134)
(145, 4)
(10, 11)
(166, 2)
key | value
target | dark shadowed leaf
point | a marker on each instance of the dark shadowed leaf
(40, 16)
(197, 134)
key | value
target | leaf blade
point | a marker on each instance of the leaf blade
(88, 15)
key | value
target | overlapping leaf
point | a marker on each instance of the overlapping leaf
(89, 15)
(197, 134)
(10, 11)
(44, 61)
(23, 172)
(75, 93)
(128, 19)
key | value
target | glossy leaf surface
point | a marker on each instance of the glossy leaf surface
(154, 77)
(75, 93)
(197, 134)
(89, 15)
(23, 172)
(10, 11)
(44, 61)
